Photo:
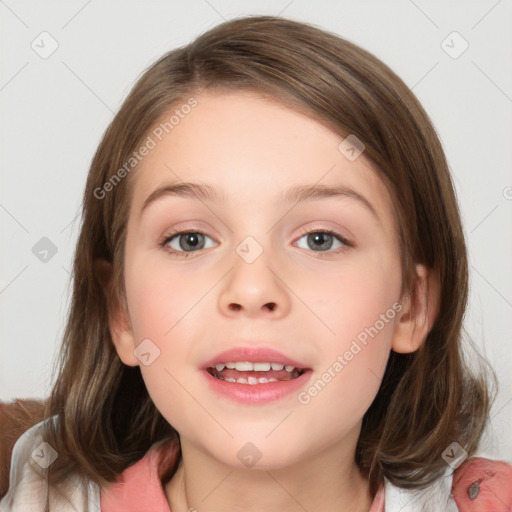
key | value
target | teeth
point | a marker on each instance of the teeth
(253, 367)
(245, 366)
(251, 380)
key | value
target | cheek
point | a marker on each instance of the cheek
(161, 306)
(345, 385)
(361, 295)
(359, 309)
(158, 299)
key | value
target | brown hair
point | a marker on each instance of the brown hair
(428, 399)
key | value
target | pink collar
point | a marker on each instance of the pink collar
(140, 485)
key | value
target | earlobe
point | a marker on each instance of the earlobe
(119, 323)
(122, 336)
(419, 311)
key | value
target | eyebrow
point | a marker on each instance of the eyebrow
(295, 194)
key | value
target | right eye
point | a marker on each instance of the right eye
(184, 242)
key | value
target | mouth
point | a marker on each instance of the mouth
(255, 375)
(244, 372)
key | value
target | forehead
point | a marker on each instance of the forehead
(252, 149)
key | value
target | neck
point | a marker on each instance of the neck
(326, 481)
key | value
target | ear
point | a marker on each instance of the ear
(119, 323)
(418, 313)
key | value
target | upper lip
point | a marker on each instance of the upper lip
(252, 355)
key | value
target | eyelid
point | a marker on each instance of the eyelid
(345, 238)
(189, 227)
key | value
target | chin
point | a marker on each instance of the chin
(253, 455)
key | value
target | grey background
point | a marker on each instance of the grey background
(55, 109)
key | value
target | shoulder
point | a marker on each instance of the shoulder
(28, 492)
(481, 484)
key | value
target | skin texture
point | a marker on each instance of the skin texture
(193, 308)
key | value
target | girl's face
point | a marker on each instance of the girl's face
(247, 275)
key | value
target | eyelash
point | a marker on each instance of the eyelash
(317, 254)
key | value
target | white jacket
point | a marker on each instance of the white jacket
(27, 489)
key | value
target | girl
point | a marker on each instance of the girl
(269, 287)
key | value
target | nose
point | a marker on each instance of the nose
(255, 290)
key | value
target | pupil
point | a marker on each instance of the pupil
(315, 237)
(191, 239)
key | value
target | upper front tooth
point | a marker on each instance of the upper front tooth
(277, 366)
(243, 367)
(261, 367)
(231, 366)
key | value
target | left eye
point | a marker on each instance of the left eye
(323, 241)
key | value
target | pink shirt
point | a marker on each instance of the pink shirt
(140, 486)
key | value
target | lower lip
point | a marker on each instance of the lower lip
(256, 393)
